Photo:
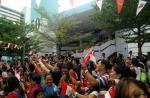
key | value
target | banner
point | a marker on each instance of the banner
(9, 45)
(119, 5)
(140, 6)
(99, 4)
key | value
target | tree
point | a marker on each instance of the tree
(58, 29)
(34, 43)
(133, 28)
(10, 33)
(16, 33)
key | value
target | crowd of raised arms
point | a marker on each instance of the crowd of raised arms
(65, 76)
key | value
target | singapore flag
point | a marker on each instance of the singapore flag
(99, 4)
(140, 6)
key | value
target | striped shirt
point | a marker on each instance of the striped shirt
(103, 81)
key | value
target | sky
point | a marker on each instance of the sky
(69, 4)
(17, 5)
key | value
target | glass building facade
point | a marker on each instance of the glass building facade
(68, 7)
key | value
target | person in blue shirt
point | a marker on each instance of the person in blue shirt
(50, 89)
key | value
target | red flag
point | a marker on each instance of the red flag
(3, 44)
(89, 56)
(110, 93)
(119, 5)
(63, 89)
(12, 46)
(37, 69)
(84, 83)
(66, 89)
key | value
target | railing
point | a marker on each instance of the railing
(108, 48)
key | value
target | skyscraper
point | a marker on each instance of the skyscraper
(51, 6)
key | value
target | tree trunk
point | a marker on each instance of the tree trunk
(58, 49)
(139, 49)
(140, 42)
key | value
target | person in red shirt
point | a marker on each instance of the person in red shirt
(35, 84)
(15, 90)
(72, 72)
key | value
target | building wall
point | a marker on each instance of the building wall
(134, 48)
(122, 45)
(54, 6)
(27, 15)
(11, 14)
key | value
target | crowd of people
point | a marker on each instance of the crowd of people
(65, 76)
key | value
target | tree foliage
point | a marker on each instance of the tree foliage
(10, 33)
(15, 33)
(58, 29)
(133, 28)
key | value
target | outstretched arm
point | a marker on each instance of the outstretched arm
(88, 76)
